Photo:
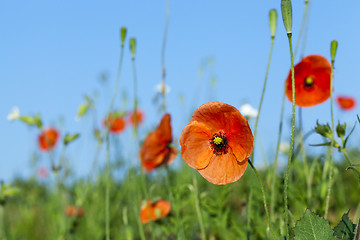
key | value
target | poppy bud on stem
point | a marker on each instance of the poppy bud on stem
(123, 35)
(286, 11)
(273, 22)
(132, 47)
(333, 48)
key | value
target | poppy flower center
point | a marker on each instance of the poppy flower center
(309, 82)
(219, 143)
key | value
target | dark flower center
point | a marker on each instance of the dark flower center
(219, 143)
(309, 82)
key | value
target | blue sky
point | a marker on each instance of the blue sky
(53, 52)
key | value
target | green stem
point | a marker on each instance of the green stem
(262, 95)
(172, 200)
(303, 22)
(249, 214)
(2, 222)
(197, 208)
(273, 195)
(286, 181)
(264, 198)
(332, 141)
(107, 168)
(163, 54)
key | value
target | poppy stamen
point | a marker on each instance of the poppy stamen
(309, 82)
(219, 143)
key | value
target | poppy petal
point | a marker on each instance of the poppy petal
(224, 169)
(164, 207)
(195, 148)
(216, 115)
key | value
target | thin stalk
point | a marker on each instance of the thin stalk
(286, 182)
(197, 208)
(2, 222)
(172, 200)
(273, 195)
(303, 154)
(163, 54)
(264, 198)
(136, 127)
(302, 27)
(332, 141)
(107, 168)
(249, 214)
(262, 94)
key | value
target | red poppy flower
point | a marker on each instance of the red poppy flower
(72, 211)
(312, 81)
(48, 139)
(217, 142)
(156, 149)
(346, 103)
(154, 211)
(115, 122)
(139, 117)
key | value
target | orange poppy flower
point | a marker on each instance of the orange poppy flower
(116, 123)
(156, 149)
(217, 142)
(312, 81)
(154, 211)
(139, 117)
(72, 211)
(345, 103)
(48, 139)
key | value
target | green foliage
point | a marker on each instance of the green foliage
(70, 138)
(313, 227)
(345, 229)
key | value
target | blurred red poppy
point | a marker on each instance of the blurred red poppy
(217, 142)
(48, 139)
(346, 103)
(312, 81)
(156, 149)
(139, 117)
(72, 211)
(115, 122)
(154, 211)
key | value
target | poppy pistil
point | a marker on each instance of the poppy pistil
(309, 82)
(219, 143)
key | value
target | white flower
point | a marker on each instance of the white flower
(14, 114)
(248, 111)
(284, 147)
(159, 88)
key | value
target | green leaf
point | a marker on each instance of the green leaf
(31, 120)
(345, 229)
(70, 137)
(313, 227)
(321, 144)
(82, 110)
(347, 138)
